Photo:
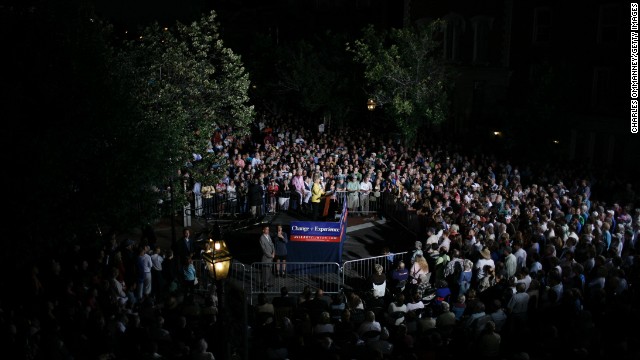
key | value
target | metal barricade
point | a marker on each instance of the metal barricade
(324, 275)
(237, 275)
(394, 209)
(366, 205)
(356, 272)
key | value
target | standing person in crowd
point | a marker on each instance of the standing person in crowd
(232, 198)
(352, 198)
(419, 274)
(171, 272)
(417, 250)
(188, 275)
(298, 186)
(400, 276)
(378, 282)
(272, 191)
(330, 190)
(365, 190)
(308, 185)
(284, 195)
(197, 196)
(484, 260)
(242, 191)
(281, 251)
(186, 246)
(208, 192)
(317, 191)
(255, 195)
(144, 265)
(157, 280)
(268, 253)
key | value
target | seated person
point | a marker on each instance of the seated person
(416, 303)
(284, 300)
(324, 325)
(369, 325)
(397, 310)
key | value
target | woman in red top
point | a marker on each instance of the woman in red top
(272, 190)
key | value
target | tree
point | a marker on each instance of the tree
(187, 84)
(407, 75)
(100, 126)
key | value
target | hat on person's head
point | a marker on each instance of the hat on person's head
(128, 242)
(485, 253)
(508, 249)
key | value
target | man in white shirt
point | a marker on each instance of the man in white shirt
(365, 189)
(156, 271)
(433, 237)
(369, 324)
(520, 254)
(144, 266)
(197, 195)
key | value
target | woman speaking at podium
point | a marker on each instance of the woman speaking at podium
(317, 191)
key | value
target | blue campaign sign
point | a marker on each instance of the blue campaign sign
(309, 231)
(317, 241)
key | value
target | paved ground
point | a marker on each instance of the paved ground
(366, 236)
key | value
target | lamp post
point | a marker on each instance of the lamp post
(218, 260)
(371, 104)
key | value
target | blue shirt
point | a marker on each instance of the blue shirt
(189, 272)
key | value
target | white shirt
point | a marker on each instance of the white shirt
(365, 187)
(156, 262)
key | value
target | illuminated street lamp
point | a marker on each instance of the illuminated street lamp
(371, 104)
(218, 259)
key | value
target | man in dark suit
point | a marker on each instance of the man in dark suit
(185, 247)
(268, 252)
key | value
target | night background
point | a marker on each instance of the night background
(540, 82)
(543, 84)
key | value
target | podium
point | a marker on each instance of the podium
(326, 203)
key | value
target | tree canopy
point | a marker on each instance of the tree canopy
(188, 85)
(406, 75)
(116, 120)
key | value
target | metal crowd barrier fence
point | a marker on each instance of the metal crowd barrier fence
(356, 272)
(363, 204)
(330, 277)
(225, 205)
(324, 275)
(237, 275)
(395, 209)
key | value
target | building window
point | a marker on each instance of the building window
(542, 25)
(601, 89)
(453, 29)
(608, 23)
(481, 28)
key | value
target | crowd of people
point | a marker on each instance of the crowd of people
(509, 263)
